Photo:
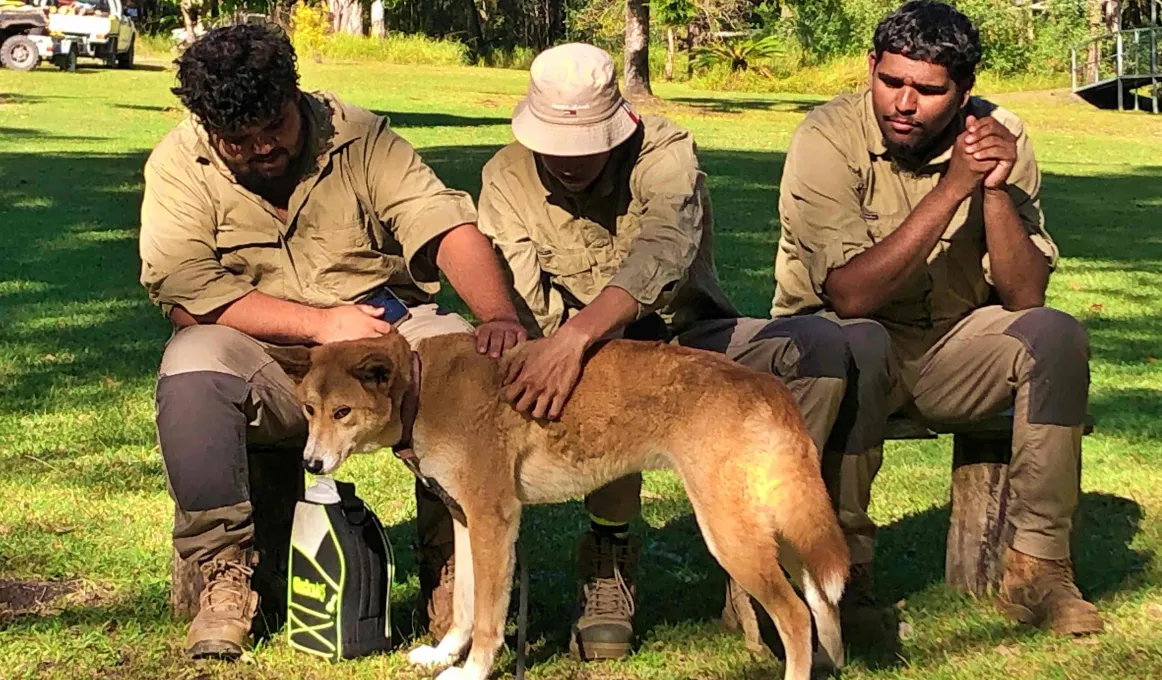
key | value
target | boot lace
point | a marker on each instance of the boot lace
(609, 596)
(227, 585)
(1058, 578)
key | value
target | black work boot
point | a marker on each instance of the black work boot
(605, 607)
(863, 621)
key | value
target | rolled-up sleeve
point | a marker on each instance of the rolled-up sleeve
(539, 305)
(819, 205)
(412, 202)
(180, 263)
(1025, 191)
(671, 189)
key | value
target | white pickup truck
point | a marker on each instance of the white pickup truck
(101, 29)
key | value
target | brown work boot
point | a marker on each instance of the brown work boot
(863, 622)
(1042, 593)
(604, 625)
(226, 608)
(437, 567)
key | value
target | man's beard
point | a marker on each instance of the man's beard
(277, 188)
(916, 155)
(260, 184)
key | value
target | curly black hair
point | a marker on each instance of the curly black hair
(237, 77)
(934, 32)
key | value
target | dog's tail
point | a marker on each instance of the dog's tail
(810, 527)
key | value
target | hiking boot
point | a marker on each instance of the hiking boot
(437, 571)
(604, 625)
(862, 621)
(1041, 593)
(226, 608)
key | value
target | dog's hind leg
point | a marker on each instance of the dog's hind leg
(825, 610)
(494, 533)
(456, 640)
(743, 540)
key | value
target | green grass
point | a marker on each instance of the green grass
(84, 491)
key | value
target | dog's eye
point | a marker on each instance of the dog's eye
(310, 410)
(341, 412)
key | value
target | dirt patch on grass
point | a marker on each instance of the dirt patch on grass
(48, 598)
(18, 598)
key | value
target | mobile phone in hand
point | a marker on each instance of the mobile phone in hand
(394, 309)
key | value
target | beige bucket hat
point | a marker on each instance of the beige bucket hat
(573, 107)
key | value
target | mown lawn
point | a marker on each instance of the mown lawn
(84, 497)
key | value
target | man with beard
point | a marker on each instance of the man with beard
(268, 217)
(911, 213)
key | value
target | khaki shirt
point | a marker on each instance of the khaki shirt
(645, 226)
(841, 194)
(361, 218)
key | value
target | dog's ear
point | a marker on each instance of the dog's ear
(295, 360)
(374, 369)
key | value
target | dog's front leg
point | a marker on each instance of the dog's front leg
(494, 533)
(456, 640)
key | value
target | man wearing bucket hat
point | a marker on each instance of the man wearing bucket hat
(603, 220)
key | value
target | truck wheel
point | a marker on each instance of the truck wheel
(111, 53)
(126, 60)
(19, 53)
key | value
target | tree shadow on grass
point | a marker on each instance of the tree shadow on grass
(910, 551)
(415, 119)
(743, 105)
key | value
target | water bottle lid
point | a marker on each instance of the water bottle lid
(323, 491)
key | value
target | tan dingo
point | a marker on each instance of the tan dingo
(733, 435)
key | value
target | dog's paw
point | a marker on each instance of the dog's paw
(456, 673)
(428, 656)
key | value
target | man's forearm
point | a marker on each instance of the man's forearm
(873, 277)
(1020, 271)
(467, 259)
(612, 309)
(260, 316)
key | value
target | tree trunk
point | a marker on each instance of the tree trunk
(978, 530)
(188, 21)
(556, 11)
(347, 17)
(378, 30)
(670, 49)
(637, 49)
(476, 43)
(690, 52)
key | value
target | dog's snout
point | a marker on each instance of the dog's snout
(313, 465)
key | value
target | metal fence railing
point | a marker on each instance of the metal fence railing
(1128, 55)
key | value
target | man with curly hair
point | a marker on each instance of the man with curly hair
(269, 216)
(911, 214)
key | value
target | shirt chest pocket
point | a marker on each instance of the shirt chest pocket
(248, 252)
(881, 223)
(336, 229)
(564, 262)
(571, 270)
